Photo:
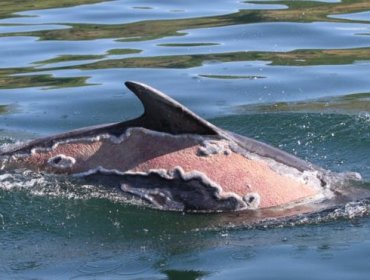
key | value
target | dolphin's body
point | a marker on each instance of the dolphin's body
(175, 160)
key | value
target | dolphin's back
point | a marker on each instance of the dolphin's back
(267, 151)
(163, 114)
(174, 159)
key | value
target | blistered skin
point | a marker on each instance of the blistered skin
(142, 151)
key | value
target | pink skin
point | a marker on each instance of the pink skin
(142, 152)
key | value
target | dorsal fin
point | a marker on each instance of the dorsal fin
(162, 113)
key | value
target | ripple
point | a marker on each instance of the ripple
(123, 11)
(99, 267)
(227, 77)
(25, 266)
(282, 36)
(361, 16)
(243, 253)
(134, 264)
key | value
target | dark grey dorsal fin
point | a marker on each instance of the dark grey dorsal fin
(162, 113)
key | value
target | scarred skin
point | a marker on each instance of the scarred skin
(235, 173)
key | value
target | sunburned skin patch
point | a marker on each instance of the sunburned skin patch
(61, 161)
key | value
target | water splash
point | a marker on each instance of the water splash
(365, 117)
(347, 204)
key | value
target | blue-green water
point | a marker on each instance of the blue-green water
(291, 73)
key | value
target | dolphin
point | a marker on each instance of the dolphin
(172, 159)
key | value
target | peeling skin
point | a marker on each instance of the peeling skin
(180, 190)
(252, 200)
(61, 161)
(212, 147)
(139, 150)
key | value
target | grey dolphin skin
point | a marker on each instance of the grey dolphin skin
(172, 159)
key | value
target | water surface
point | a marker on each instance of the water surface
(291, 73)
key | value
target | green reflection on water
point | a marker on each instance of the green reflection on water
(70, 58)
(123, 51)
(318, 57)
(298, 11)
(46, 80)
(66, 58)
(180, 61)
(9, 7)
(187, 45)
(295, 58)
(308, 11)
(352, 103)
(144, 30)
(3, 109)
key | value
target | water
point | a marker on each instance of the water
(290, 73)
